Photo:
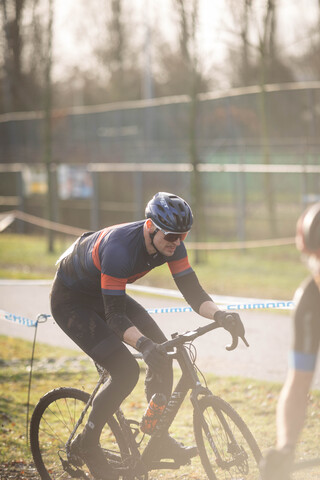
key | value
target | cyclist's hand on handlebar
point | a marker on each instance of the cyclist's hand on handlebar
(231, 322)
(153, 354)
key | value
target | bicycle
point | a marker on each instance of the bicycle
(226, 447)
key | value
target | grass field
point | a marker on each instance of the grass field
(262, 272)
(254, 400)
(266, 273)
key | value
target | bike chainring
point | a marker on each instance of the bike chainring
(74, 472)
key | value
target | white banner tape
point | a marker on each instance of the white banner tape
(17, 319)
(26, 322)
(227, 302)
(234, 306)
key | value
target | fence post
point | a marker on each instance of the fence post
(95, 213)
(138, 195)
(241, 206)
(21, 199)
(55, 193)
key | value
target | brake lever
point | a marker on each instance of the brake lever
(234, 343)
(243, 338)
(235, 336)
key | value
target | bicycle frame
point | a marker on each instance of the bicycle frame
(141, 463)
(223, 439)
(189, 380)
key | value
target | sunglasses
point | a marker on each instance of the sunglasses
(172, 236)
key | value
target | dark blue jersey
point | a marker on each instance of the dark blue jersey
(105, 261)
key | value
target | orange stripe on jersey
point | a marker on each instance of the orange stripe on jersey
(113, 283)
(178, 266)
(95, 251)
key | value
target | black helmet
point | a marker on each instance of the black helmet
(308, 230)
(170, 212)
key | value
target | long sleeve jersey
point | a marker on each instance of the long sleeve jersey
(103, 262)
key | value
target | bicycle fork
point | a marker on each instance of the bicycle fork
(239, 456)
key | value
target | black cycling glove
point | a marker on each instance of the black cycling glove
(232, 322)
(276, 464)
(152, 353)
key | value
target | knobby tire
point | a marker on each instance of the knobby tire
(240, 459)
(52, 422)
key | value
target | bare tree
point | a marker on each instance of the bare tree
(48, 118)
(12, 13)
(21, 50)
(240, 60)
(116, 53)
(308, 63)
(266, 50)
(116, 50)
(188, 24)
(259, 52)
(260, 63)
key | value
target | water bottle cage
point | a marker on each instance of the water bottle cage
(134, 427)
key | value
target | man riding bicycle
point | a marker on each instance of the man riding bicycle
(293, 400)
(89, 302)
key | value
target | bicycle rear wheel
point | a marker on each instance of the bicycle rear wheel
(52, 422)
(226, 446)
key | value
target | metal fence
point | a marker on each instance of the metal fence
(116, 143)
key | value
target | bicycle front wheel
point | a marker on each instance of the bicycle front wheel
(52, 422)
(226, 446)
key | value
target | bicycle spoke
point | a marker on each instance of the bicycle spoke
(227, 449)
(51, 425)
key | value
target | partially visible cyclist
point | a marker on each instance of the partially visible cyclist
(293, 400)
(89, 302)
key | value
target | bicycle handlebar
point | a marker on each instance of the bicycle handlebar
(180, 339)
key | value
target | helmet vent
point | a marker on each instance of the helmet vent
(170, 212)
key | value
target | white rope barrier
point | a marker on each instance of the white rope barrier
(7, 218)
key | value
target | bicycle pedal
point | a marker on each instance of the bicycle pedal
(72, 469)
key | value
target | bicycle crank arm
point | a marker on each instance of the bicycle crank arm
(71, 470)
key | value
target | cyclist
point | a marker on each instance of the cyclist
(293, 400)
(89, 302)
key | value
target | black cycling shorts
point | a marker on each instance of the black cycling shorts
(82, 318)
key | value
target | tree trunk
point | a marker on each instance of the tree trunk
(188, 30)
(48, 123)
(266, 43)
